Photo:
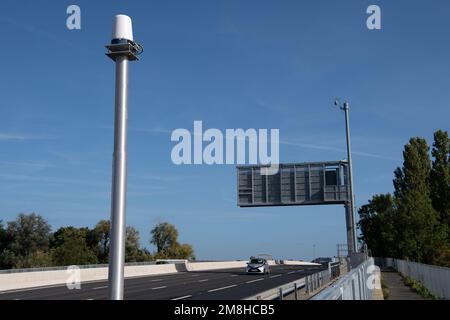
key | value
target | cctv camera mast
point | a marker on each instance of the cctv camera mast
(121, 50)
(350, 206)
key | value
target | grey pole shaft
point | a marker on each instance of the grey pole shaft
(349, 223)
(119, 184)
(351, 211)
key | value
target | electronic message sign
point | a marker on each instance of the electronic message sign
(315, 183)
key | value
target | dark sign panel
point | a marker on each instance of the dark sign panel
(294, 184)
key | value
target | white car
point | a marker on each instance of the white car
(258, 266)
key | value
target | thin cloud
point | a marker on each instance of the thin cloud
(45, 179)
(28, 164)
(329, 148)
(151, 130)
(21, 137)
(40, 33)
(154, 130)
(156, 178)
(228, 27)
(68, 158)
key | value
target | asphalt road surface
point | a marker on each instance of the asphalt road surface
(229, 284)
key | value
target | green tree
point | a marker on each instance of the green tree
(6, 260)
(443, 258)
(2, 236)
(143, 255)
(377, 225)
(133, 252)
(399, 183)
(184, 251)
(39, 258)
(98, 240)
(440, 177)
(419, 234)
(164, 236)
(29, 239)
(69, 247)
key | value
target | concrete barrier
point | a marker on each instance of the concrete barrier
(140, 271)
(23, 280)
(32, 279)
(201, 266)
(299, 263)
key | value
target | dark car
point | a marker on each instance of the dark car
(324, 261)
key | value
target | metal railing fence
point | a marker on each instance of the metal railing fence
(352, 286)
(311, 283)
(436, 279)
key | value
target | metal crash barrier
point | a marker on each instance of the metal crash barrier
(357, 284)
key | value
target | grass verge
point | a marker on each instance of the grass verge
(418, 287)
(384, 289)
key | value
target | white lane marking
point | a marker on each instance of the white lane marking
(157, 288)
(203, 280)
(183, 297)
(234, 275)
(156, 280)
(255, 280)
(90, 299)
(196, 275)
(102, 287)
(223, 288)
(291, 272)
(275, 276)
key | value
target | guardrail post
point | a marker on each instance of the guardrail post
(307, 284)
(295, 291)
(281, 293)
(314, 282)
(317, 281)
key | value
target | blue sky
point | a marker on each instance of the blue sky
(231, 64)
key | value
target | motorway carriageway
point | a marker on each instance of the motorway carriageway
(226, 284)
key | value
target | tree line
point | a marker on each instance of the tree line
(413, 223)
(28, 242)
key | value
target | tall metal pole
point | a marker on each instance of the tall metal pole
(121, 50)
(351, 206)
(119, 183)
